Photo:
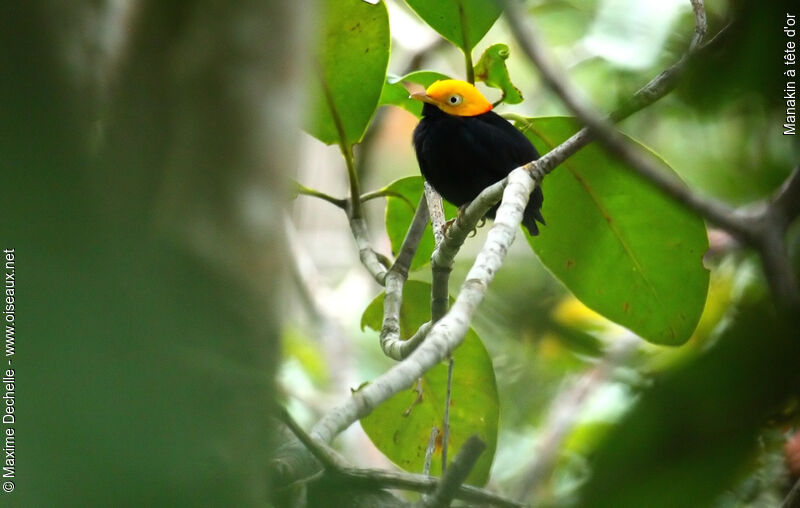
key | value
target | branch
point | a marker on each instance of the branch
(392, 344)
(456, 474)
(420, 483)
(375, 264)
(440, 275)
(765, 231)
(781, 211)
(382, 193)
(323, 453)
(307, 191)
(793, 498)
(446, 419)
(436, 212)
(449, 332)
(786, 201)
(426, 465)
(380, 479)
(604, 131)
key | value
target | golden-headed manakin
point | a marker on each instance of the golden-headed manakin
(463, 146)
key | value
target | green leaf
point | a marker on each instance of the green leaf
(400, 212)
(401, 426)
(462, 22)
(351, 66)
(395, 94)
(620, 245)
(492, 70)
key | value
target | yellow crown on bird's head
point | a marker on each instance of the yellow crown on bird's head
(455, 97)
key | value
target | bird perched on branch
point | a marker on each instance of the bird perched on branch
(463, 146)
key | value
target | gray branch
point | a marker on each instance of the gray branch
(445, 335)
(369, 258)
(449, 332)
(793, 498)
(379, 479)
(392, 343)
(456, 474)
(763, 231)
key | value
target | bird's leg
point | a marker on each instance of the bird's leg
(461, 210)
(479, 225)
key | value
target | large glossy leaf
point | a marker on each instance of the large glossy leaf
(618, 244)
(401, 204)
(401, 426)
(462, 22)
(350, 69)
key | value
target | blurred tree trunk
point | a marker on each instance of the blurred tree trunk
(145, 149)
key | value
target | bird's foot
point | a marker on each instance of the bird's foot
(447, 225)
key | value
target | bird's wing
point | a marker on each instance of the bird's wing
(497, 145)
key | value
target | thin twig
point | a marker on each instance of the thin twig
(307, 191)
(786, 201)
(456, 475)
(436, 212)
(440, 274)
(369, 258)
(603, 130)
(446, 423)
(380, 479)
(449, 332)
(424, 484)
(426, 466)
(322, 452)
(792, 500)
(466, 47)
(764, 232)
(383, 193)
(392, 343)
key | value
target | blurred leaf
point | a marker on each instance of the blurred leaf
(307, 352)
(395, 93)
(351, 67)
(618, 244)
(462, 22)
(734, 69)
(400, 212)
(401, 426)
(492, 70)
(694, 432)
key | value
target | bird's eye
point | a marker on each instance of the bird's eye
(455, 99)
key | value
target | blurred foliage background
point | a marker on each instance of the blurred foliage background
(169, 287)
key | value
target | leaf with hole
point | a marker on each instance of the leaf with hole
(492, 70)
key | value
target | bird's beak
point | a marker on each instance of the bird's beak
(422, 96)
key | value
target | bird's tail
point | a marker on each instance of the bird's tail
(533, 212)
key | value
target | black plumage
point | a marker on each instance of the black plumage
(462, 155)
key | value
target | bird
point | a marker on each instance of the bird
(463, 146)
